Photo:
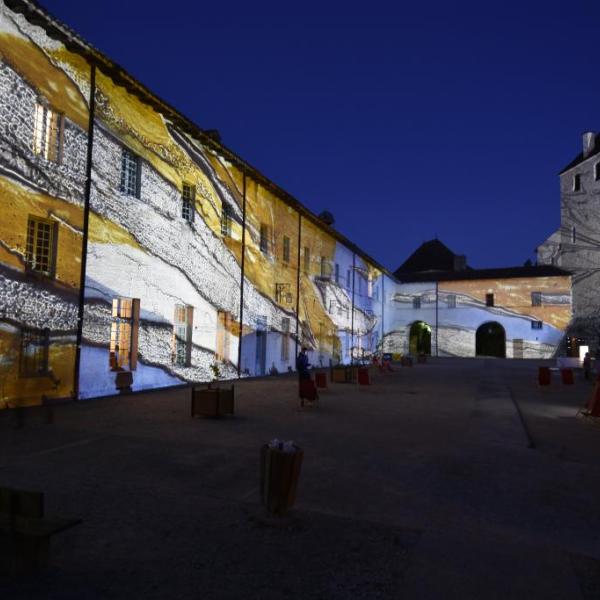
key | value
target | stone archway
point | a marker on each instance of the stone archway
(490, 340)
(419, 338)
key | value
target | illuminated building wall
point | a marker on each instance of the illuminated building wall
(43, 120)
(533, 312)
(197, 267)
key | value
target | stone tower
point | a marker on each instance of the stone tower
(576, 245)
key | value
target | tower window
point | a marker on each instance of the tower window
(597, 171)
(536, 324)
(536, 298)
(489, 299)
(573, 235)
(577, 182)
(451, 300)
(48, 128)
(416, 301)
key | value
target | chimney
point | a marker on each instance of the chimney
(460, 262)
(589, 138)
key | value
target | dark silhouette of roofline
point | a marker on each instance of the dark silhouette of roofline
(581, 158)
(494, 273)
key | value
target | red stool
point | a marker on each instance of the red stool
(321, 380)
(308, 391)
(363, 376)
(544, 376)
(566, 376)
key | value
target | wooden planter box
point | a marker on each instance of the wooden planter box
(212, 402)
(344, 374)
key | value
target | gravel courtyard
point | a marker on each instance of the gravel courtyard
(422, 485)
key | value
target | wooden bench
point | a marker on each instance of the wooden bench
(25, 532)
(212, 402)
(344, 374)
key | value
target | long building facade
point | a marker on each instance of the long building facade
(133, 240)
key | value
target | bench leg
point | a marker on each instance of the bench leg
(22, 555)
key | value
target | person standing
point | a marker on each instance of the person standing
(587, 365)
(302, 364)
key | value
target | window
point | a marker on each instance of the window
(573, 235)
(451, 300)
(124, 333)
(34, 352)
(536, 324)
(337, 273)
(285, 339)
(226, 223)
(283, 294)
(224, 329)
(48, 128)
(417, 302)
(188, 201)
(597, 171)
(489, 299)
(182, 335)
(41, 245)
(286, 249)
(325, 270)
(130, 173)
(307, 260)
(577, 182)
(349, 279)
(370, 286)
(264, 238)
(536, 298)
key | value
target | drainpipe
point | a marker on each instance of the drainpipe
(239, 365)
(382, 310)
(352, 317)
(298, 288)
(437, 298)
(86, 222)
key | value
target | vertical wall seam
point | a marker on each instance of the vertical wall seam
(243, 261)
(86, 221)
(298, 287)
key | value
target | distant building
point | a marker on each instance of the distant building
(444, 307)
(575, 246)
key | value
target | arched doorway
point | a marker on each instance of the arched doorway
(490, 340)
(419, 340)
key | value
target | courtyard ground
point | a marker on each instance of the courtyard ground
(421, 486)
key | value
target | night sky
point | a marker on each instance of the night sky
(407, 120)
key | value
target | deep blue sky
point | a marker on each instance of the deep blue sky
(407, 120)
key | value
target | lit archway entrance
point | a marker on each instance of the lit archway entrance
(490, 340)
(419, 341)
